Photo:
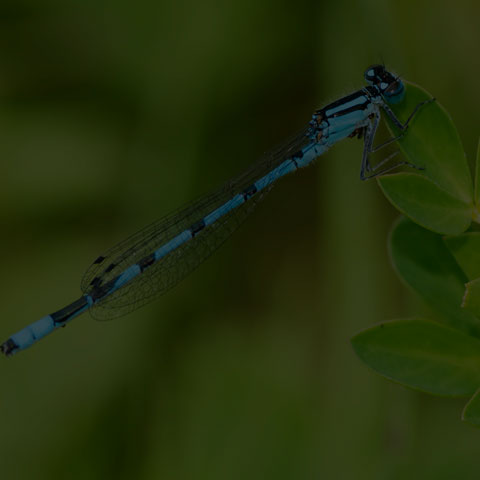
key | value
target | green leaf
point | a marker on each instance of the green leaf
(477, 185)
(471, 299)
(466, 250)
(471, 412)
(432, 142)
(426, 203)
(423, 355)
(424, 262)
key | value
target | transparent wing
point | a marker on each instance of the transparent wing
(167, 272)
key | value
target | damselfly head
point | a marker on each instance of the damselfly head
(389, 85)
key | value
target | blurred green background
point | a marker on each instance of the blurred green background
(115, 113)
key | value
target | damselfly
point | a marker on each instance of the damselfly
(155, 259)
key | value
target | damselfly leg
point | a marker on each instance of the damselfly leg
(367, 171)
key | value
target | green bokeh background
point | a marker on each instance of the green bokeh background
(113, 114)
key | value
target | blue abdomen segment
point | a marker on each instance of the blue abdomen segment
(126, 276)
(309, 154)
(221, 211)
(172, 244)
(41, 328)
(29, 335)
